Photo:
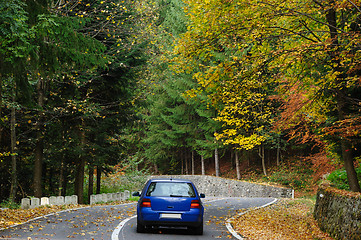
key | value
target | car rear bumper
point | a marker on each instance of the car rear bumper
(190, 218)
(172, 224)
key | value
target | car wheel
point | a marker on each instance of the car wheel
(140, 227)
(198, 230)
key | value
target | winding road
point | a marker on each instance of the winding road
(119, 222)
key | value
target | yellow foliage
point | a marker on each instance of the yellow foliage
(238, 51)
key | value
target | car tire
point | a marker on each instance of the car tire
(198, 230)
(140, 227)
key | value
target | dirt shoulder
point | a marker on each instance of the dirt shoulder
(286, 219)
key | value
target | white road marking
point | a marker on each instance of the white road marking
(229, 225)
(115, 234)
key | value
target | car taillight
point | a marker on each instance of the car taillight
(145, 203)
(195, 204)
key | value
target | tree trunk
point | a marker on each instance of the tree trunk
(14, 182)
(62, 163)
(39, 146)
(186, 161)
(79, 178)
(91, 181)
(65, 182)
(156, 171)
(61, 177)
(192, 162)
(246, 155)
(38, 165)
(216, 161)
(99, 177)
(237, 165)
(202, 164)
(1, 125)
(278, 150)
(182, 163)
(346, 149)
(349, 166)
(51, 174)
(261, 154)
(1, 106)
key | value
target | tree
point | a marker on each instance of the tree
(238, 87)
(59, 44)
(80, 80)
(169, 119)
(247, 50)
(328, 40)
(104, 98)
(15, 35)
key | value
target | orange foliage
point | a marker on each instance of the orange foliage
(347, 128)
(321, 164)
(294, 117)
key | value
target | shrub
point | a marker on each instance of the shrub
(292, 175)
(338, 178)
(9, 204)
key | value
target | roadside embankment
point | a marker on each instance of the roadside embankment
(287, 219)
(339, 213)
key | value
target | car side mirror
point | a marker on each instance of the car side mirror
(202, 195)
(136, 194)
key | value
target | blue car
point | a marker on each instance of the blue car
(170, 202)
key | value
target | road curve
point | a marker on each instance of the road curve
(118, 223)
(217, 211)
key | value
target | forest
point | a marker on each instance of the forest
(89, 87)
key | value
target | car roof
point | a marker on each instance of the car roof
(170, 180)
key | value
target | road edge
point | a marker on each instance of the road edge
(230, 227)
(115, 233)
(62, 211)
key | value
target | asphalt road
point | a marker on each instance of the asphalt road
(118, 223)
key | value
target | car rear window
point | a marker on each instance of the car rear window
(170, 189)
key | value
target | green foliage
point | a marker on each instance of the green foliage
(338, 178)
(86, 76)
(296, 178)
(118, 183)
(126, 176)
(14, 32)
(139, 84)
(9, 204)
(133, 199)
(292, 173)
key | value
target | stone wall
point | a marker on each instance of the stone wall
(109, 197)
(339, 213)
(29, 203)
(222, 187)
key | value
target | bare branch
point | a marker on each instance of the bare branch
(358, 9)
